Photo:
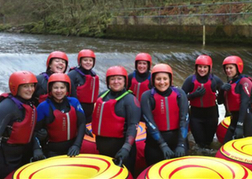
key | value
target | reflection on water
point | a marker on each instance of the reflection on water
(29, 52)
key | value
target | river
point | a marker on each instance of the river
(29, 52)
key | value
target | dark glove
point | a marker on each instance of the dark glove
(226, 87)
(122, 154)
(180, 151)
(200, 91)
(167, 152)
(89, 133)
(238, 133)
(73, 151)
(38, 155)
(41, 134)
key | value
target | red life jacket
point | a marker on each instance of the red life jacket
(88, 92)
(208, 99)
(64, 126)
(138, 88)
(22, 131)
(232, 99)
(42, 97)
(166, 112)
(105, 122)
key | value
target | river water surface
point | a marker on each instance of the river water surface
(29, 52)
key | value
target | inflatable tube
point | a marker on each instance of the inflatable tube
(140, 145)
(195, 167)
(239, 151)
(222, 129)
(89, 146)
(82, 166)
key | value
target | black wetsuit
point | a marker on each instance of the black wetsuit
(46, 117)
(79, 80)
(129, 108)
(12, 156)
(243, 115)
(203, 120)
(41, 86)
(155, 138)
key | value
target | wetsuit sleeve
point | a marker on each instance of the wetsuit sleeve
(73, 77)
(42, 111)
(130, 76)
(183, 118)
(73, 90)
(147, 105)
(41, 88)
(81, 122)
(133, 115)
(188, 87)
(9, 111)
(219, 83)
(42, 114)
(244, 88)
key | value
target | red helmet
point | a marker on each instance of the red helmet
(19, 78)
(57, 54)
(161, 67)
(233, 60)
(59, 77)
(143, 57)
(204, 60)
(117, 70)
(85, 53)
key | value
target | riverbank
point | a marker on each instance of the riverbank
(188, 21)
(230, 34)
(214, 34)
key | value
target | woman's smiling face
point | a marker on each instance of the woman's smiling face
(162, 81)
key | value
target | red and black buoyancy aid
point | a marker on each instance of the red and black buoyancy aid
(232, 99)
(208, 99)
(138, 88)
(166, 112)
(22, 131)
(105, 122)
(43, 97)
(88, 92)
(64, 126)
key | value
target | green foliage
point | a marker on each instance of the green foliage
(92, 17)
(4, 27)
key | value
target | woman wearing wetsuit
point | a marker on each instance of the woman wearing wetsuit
(85, 81)
(139, 80)
(57, 62)
(115, 119)
(165, 109)
(237, 94)
(17, 121)
(62, 117)
(202, 89)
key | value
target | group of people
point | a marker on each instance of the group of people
(46, 115)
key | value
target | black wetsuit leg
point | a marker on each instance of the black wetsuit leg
(153, 153)
(10, 158)
(203, 124)
(248, 125)
(113, 145)
(230, 131)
